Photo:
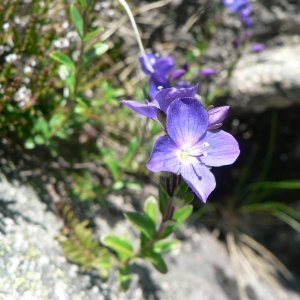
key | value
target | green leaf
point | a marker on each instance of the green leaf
(287, 219)
(188, 198)
(183, 189)
(81, 99)
(143, 223)
(83, 3)
(56, 121)
(134, 186)
(39, 140)
(143, 239)
(271, 206)
(29, 143)
(42, 127)
(102, 263)
(63, 59)
(66, 74)
(179, 216)
(284, 185)
(118, 185)
(166, 246)
(77, 20)
(121, 245)
(92, 34)
(124, 277)
(156, 260)
(111, 162)
(151, 209)
(96, 50)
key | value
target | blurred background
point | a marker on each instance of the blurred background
(65, 140)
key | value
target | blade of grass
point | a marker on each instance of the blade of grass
(285, 185)
(287, 219)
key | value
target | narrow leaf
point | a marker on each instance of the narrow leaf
(271, 206)
(63, 59)
(143, 239)
(157, 261)
(284, 185)
(179, 216)
(92, 34)
(166, 246)
(102, 263)
(124, 277)
(111, 163)
(188, 198)
(121, 245)
(287, 219)
(56, 121)
(83, 3)
(77, 20)
(96, 50)
(151, 209)
(143, 223)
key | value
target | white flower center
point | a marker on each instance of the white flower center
(186, 152)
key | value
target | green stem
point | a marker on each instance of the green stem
(168, 214)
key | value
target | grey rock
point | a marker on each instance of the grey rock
(267, 79)
(32, 265)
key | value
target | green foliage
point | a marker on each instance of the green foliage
(166, 246)
(79, 245)
(143, 223)
(63, 58)
(156, 260)
(151, 209)
(121, 245)
(77, 20)
(178, 218)
(124, 277)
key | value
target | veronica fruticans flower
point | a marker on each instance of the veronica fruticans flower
(161, 102)
(165, 97)
(189, 147)
(158, 69)
(243, 8)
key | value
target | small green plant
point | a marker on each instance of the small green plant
(79, 245)
(81, 248)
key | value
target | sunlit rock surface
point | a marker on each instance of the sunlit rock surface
(270, 78)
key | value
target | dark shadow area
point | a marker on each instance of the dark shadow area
(148, 286)
(228, 285)
(7, 212)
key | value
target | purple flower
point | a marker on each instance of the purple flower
(176, 74)
(243, 8)
(258, 47)
(158, 68)
(189, 148)
(245, 14)
(208, 72)
(216, 116)
(161, 102)
(184, 84)
(234, 5)
(186, 66)
(236, 43)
